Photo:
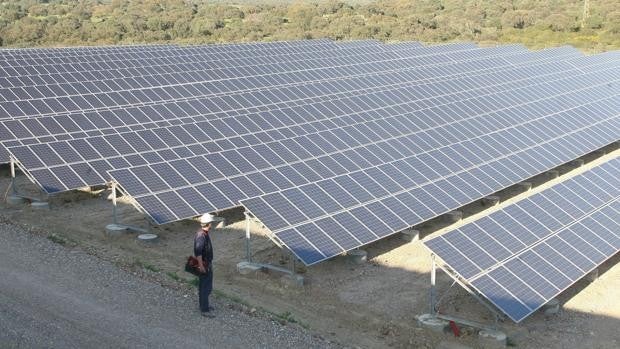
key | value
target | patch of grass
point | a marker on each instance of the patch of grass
(61, 240)
(173, 276)
(231, 298)
(510, 342)
(140, 264)
(194, 281)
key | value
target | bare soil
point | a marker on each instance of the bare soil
(370, 305)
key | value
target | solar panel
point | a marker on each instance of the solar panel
(411, 164)
(524, 255)
(329, 152)
(139, 115)
(148, 87)
(29, 157)
(208, 104)
(124, 70)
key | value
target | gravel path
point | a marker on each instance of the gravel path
(55, 297)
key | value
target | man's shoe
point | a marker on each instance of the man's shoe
(211, 308)
(207, 314)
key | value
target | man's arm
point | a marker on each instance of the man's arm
(198, 248)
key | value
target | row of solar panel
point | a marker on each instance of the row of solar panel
(286, 216)
(137, 118)
(307, 91)
(196, 84)
(190, 139)
(525, 254)
(187, 62)
(154, 50)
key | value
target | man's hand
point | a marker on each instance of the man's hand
(201, 266)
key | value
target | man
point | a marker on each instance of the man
(203, 250)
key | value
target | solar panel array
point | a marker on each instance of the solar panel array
(527, 253)
(62, 106)
(331, 145)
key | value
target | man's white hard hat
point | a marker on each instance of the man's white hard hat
(207, 218)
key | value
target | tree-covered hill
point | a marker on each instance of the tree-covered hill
(86, 22)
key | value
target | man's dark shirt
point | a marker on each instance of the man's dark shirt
(203, 247)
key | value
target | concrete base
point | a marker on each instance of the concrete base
(15, 200)
(410, 235)
(524, 186)
(492, 200)
(552, 307)
(148, 238)
(453, 216)
(552, 174)
(40, 205)
(357, 256)
(492, 338)
(432, 323)
(246, 268)
(115, 229)
(592, 276)
(293, 280)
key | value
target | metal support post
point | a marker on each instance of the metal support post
(248, 254)
(114, 214)
(13, 188)
(433, 311)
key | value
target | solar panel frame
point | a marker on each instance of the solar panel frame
(527, 277)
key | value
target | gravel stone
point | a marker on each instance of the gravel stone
(57, 297)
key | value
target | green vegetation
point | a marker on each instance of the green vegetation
(173, 276)
(87, 22)
(61, 240)
(140, 264)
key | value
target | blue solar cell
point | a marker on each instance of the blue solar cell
(517, 288)
(502, 299)
(214, 196)
(319, 239)
(300, 246)
(176, 204)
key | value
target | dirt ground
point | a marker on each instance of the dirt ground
(370, 305)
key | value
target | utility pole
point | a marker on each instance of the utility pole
(586, 12)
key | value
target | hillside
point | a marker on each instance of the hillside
(535, 23)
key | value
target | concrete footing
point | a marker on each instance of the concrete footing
(453, 216)
(592, 276)
(15, 200)
(148, 238)
(292, 280)
(410, 235)
(40, 205)
(492, 338)
(491, 200)
(115, 229)
(357, 256)
(524, 186)
(552, 307)
(432, 323)
(246, 268)
(552, 174)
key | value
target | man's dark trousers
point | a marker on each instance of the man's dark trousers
(205, 286)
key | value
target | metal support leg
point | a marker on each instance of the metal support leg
(248, 254)
(114, 213)
(433, 277)
(13, 176)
